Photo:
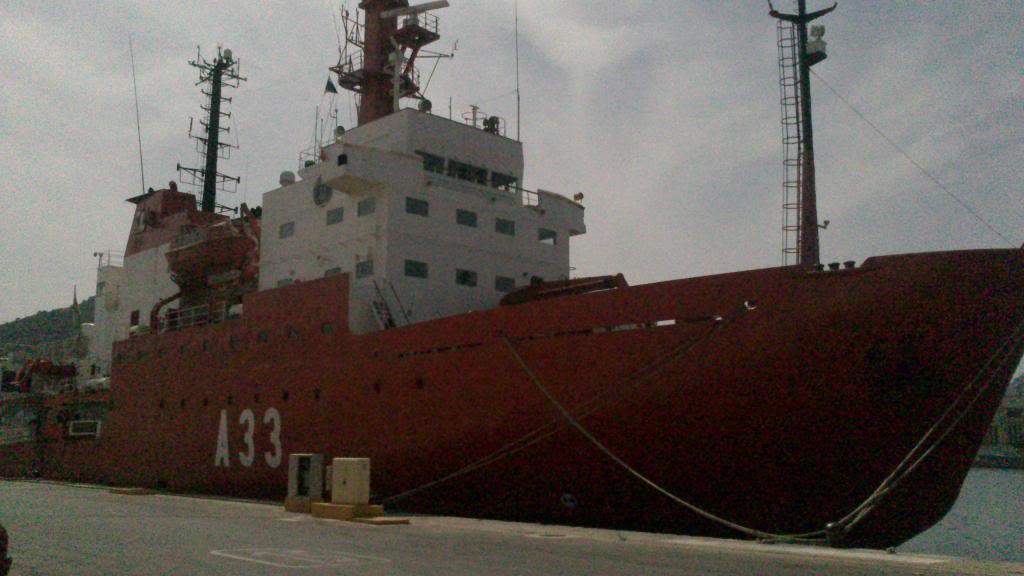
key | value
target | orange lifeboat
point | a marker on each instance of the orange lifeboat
(209, 256)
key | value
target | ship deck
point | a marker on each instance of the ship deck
(79, 529)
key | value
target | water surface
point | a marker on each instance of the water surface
(986, 523)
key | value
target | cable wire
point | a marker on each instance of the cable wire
(923, 170)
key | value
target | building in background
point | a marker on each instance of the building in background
(1004, 445)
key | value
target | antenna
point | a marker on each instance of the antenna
(138, 122)
(515, 14)
(220, 73)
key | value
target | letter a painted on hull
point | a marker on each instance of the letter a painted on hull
(222, 458)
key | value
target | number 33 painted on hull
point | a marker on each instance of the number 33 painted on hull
(247, 420)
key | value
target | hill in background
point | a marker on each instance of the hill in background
(21, 338)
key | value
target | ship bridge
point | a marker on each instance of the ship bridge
(427, 215)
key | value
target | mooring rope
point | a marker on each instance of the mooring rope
(615, 458)
(588, 407)
(911, 461)
(860, 511)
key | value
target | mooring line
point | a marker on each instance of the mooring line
(893, 480)
(615, 458)
(589, 407)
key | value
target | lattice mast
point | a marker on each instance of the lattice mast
(381, 68)
(219, 74)
(796, 56)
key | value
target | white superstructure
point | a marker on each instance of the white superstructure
(425, 213)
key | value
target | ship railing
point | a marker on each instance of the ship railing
(194, 316)
(530, 197)
(351, 72)
(424, 20)
(186, 318)
(109, 258)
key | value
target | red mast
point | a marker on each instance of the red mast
(378, 100)
(382, 68)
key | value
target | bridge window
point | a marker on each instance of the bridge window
(503, 181)
(332, 271)
(464, 171)
(545, 236)
(465, 218)
(335, 215)
(432, 163)
(366, 207)
(417, 206)
(285, 230)
(504, 284)
(465, 277)
(415, 269)
(507, 227)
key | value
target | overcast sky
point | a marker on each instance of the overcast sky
(664, 113)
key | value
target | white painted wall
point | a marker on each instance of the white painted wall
(380, 163)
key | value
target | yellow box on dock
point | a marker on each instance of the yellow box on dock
(345, 511)
(300, 504)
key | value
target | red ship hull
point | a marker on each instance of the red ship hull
(783, 417)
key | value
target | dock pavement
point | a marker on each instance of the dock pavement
(63, 529)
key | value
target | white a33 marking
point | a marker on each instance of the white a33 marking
(247, 420)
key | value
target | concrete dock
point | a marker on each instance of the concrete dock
(58, 529)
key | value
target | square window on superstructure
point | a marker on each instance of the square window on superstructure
(285, 230)
(416, 269)
(504, 284)
(465, 277)
(465, 218)
(366, 207)
(432, 163)
(503, 181)
(417, 206)
(503, 226)
(545, 236)
(364, 268)
(335, 215)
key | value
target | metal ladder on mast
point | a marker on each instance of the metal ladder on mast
(792, 140)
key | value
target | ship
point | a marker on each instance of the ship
(403, 298)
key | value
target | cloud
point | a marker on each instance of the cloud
(663, 112)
